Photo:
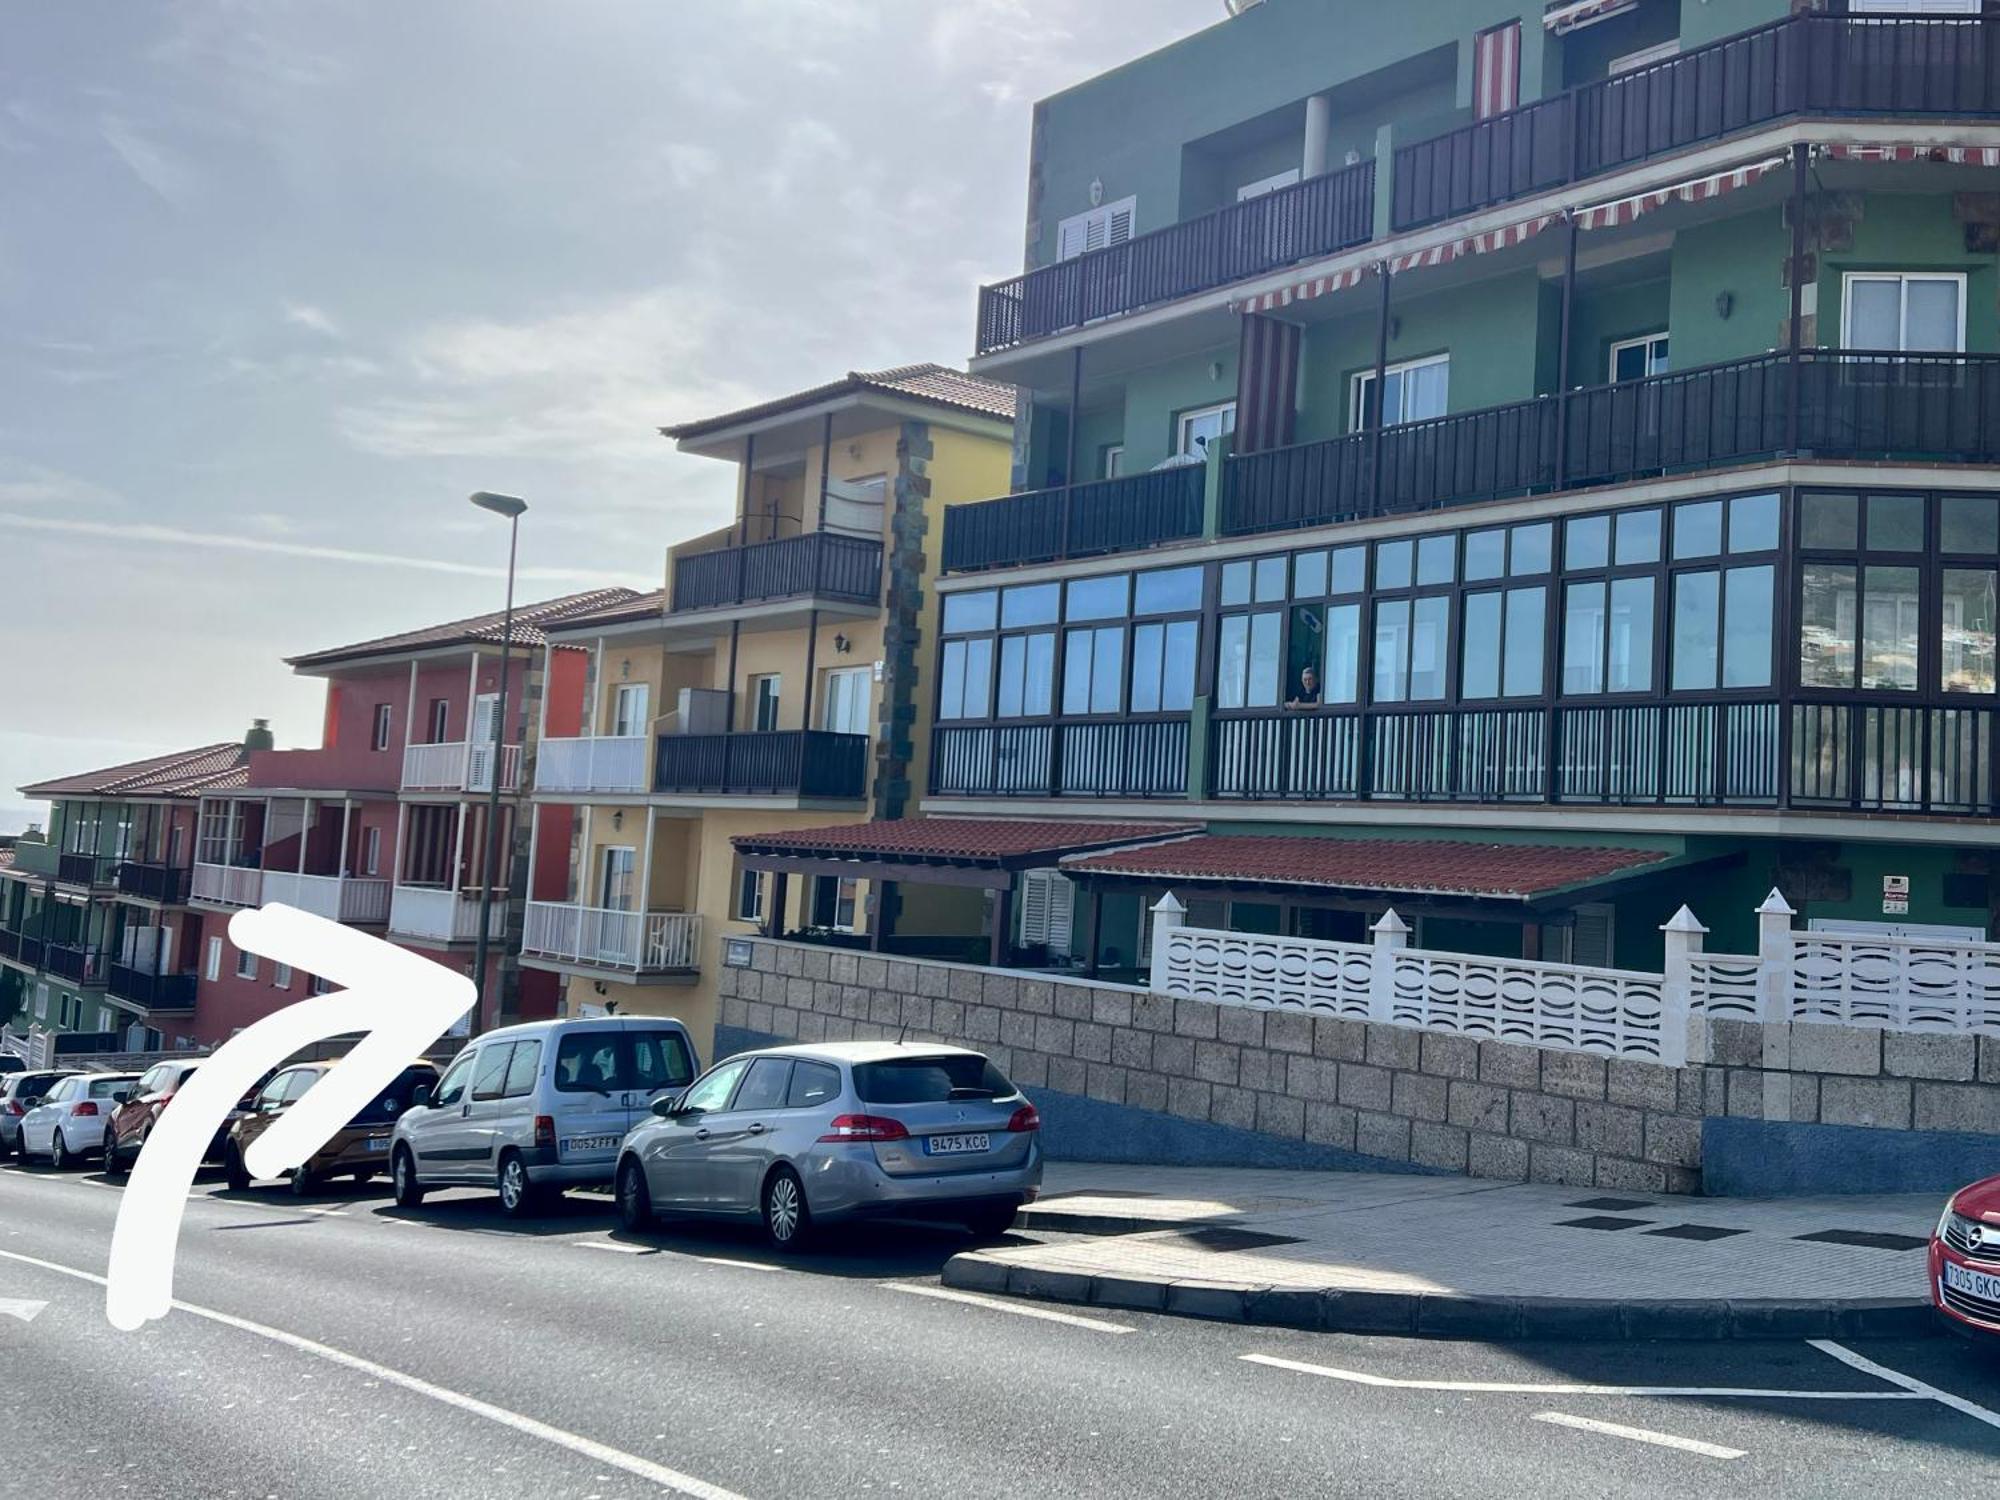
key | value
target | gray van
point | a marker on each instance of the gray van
(537, 1108)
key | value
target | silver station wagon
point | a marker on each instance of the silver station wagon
(798, 1136)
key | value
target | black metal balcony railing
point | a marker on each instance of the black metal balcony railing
(1126, 757)
(1105, 515)
(85, 869)
(154, 991)
(75, 962)
(10, 944)
(819, 564)
(1850, 404)
(167, 884)
(793, 762)
(1311, 218)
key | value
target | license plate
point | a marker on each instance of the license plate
(1981, 1284)
(590, 1143)
(954, 1145)
(378, 1143)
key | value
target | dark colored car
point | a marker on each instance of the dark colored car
(359, 1149)
(1965, 1262)
(19, 1093)
(132, 1122)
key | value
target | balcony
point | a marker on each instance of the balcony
(817, 565)
(456, 766)
(337, 898)
(1845, 404)
(156, 992)
(782, 763)
(21, 948)
(228, 885)
(86, 869)
(593, 937)
(434, 915)
(1107, 515)
(166, 884)
(1309, 219)
(78, 963)
(1125, 757)
(36, 859)
(593, 763)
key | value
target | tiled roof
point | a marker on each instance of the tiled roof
(978, 840)
(1412, 867)
(938, 384)
(644, 606)
(187, 773)
(485, 629)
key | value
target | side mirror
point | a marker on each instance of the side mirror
(119, 1096)
(667, 1106)
(420, 1097)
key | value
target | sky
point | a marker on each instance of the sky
(282, 281)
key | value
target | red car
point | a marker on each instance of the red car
(1965, 1260)
(126, 1131)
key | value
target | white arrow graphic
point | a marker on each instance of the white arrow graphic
(398, 1001)
(20, 1307)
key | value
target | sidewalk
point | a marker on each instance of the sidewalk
(1384, 1253)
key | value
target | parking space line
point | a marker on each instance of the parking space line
(608, 1245)
(1020, 1310)
(1533, 1388)
(1907, 1382)
(1638, 1434)
(741, 1265)
(596, 1452)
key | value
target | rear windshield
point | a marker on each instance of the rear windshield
(393, 1100)
(930, 1080)
(603, 1061)
(34, 1085)
(104, 1088)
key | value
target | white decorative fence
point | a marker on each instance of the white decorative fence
(442, 915)
(228, 885)
(1900, 984)
(455, 765)
(597, 763)
(335, 897)
(652, 941)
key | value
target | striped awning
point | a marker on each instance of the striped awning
(1301, 291)
(1472, 244)
(1964, 156)
(1566, 18)
(1698, 190)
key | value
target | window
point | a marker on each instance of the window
(1094, 670)
(522, 1066)
(845, 700)
(299, 1083)
(212, 969)
(1111, 461)
(764, 692)
(221, 833)
(1269, 184)
(1866, 615)
(1195, 430)
(765, 1085)
(1246, 665)
(1635, 359)
(965, 679)
(1163, 666)
(1967, 665)
(1903, 311)
(380, 740)
(631, 708)
(452, 1087)
(320, 985)
(1711, 607)
(1504, 634)
(1108, 224)
(659, 1060)
(1415, 391)
(750, 896)
(371, 851)
(587, 1062)
(930, 1080)
(812, 1084)
(1027, 675)
(440, 721)
(1608, 636)
(712, 1092)
(1645, 57)
(834, 902)
(1048, 906)
(246, 964)
(617, 884)
(281, 977)
(489, 1078)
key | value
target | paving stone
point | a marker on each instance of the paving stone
(1511, 1064)
(1924, 1054)
(967, 985)
(1673, 1140)
(1574, 1075)
(1330, 1125)
(816, 963)
(1233, 1107)
(1314, 1078)
(1394, 1046)
(1499, 1156)
(1477, 1106)
(1613, 1129)
(1153, 1012)
(1950, 1106)
(1188, 1097)
(870, 972)
(1881, 1102)
(1364, 1087)
(1215, 1062)
(1746, 1093)
(948, 1016)
(1281, 1115)
(1240, 1025)
(1108, 1008)
(1258, 1069)
(1173, 1054)
(1017, 1028)
(1632, 1176)
(1036, 996)
(982, 1024)
(885, 1009)
(1146, 1090)
(1288, 1031)
(916, 1012)
(1537, 1117)
(1072, 1001)
(1419, 1096)
(1054, 1035)
(1648, 1085)
(1804, 1098)
(1989, 1059)
(935, 980)
(901, 975)
(1433, 1145)
(1386, 1136)
(1339, 1038)
(1196, 1018)
(1068, 1076)
(1102, 1081)
(1092, 1042)
(1450, 1056)
(1564, 1164)
(1132, 1049)
(1818, 1047)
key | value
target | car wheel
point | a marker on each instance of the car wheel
(59, 1156)
(111, 1168)
(787, 1220)
(635, 1199)
(517, 1195)
(233, 1170)
(304, 1183)
(403, 1177)
(990, 1223)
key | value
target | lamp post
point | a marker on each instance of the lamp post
(511, 508)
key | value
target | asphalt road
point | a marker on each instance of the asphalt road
(359, 1350)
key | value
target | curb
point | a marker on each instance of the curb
(1443, 1315)
(1032, 1220)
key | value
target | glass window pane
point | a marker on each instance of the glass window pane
(1236, 583)
(1146, 644)
(1874, 312)
(1349, 570)
(1170, 591)
(1889, 626)
(1264, 659)
(1392, 565)
(1753, 523)
(1968, 630)
(1425, 391)
(1826, 626)
(1698, 529)
(1532, 549)
(1392, 646)
(1638, 534)
(1309, 575)
(1232, 660)
(1829, 523)
(1583, 637)
(951, 681)
(1099, 598)
(1343, 654)
(974, 611)
(1013, 664)
(1305, 653)
(1430, 646)
(1436, 559)
(1485, 554)
(1076, 672)
(1895, 523)
(1479, 672)
(1969, 523)
(1523, 676)
(1587, 542)
(1930, 315)
(1696, 597)
(978, 689)
(1270, 580)
(1033, 604)
(1177, 666)
(1746, 652)
(1629, 658)
(1038, 697)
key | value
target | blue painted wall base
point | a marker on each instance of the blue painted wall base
(1776, 1159)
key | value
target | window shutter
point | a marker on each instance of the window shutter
(1590, 940)
(1096, 229)
(1047, 903)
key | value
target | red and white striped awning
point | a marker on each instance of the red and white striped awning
(1302, 291)
(1472, 244)
(1966, 156)
(1699, 190)
(1567, 18)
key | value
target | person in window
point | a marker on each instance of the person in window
(1307, 695)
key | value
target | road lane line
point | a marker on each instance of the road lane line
(1530, 1388)
(1907, 1382)
(1020, 1310)
(603, 1453)
(1638, 1434)
(741, 1265)
(607, 1245)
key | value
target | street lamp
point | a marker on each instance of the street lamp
(511, 508)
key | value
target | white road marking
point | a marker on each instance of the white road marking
(1638, 1434)
(631, 1463)
(20, 1307)
(1907, 1382)
(1532, 1388)
(608, 1245)
(1020, 1310)
(741, 1265)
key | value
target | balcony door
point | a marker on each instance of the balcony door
(847, 692)
(764, 694)
(617, 890)
(631, 708)
(484, 708)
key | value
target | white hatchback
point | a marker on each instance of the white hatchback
(68, 1124)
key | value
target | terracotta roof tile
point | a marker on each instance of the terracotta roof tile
(938, 384)
(982, 839)
(486, 629)
(638, 607)
(1413, 867)
(186, 773)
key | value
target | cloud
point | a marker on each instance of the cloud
(305, 315)
(38, 485)
(161, 170)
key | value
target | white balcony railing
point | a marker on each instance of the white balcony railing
(455, 766)
(441, 916)
(228, 885)
(594, 763)
(335, 897)
(640, 942)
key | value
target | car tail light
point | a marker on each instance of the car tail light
(1027, 1117)
(866, 1128)
(88, 1107)
(545, 1130)
(14, 1107)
